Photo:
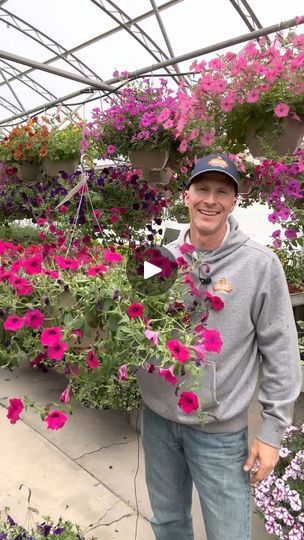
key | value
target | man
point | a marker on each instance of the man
(258, 331)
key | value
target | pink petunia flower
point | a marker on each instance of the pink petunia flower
(57, 351)
(188, 401)
(51, 336)
(13, 323)
(281, 110)
(33, 318)
(55, 419)
(200, 351)
(212, 340)
(168, 374)
(65, 396)
(207, 139)
(135, 310)
(14, 410)
(152, 336)
(92, 360)
(178, 350)
(123, 372)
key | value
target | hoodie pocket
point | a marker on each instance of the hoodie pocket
(207, 388)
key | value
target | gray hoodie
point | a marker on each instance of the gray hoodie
(258, 330)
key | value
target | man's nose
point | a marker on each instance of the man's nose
(210, 197)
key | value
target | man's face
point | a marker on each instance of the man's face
(210, 199)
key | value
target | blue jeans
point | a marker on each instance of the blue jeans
(177, 455)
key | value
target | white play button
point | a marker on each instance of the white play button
(151, 270)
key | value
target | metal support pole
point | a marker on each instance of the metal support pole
(55, 71)
(164, 33)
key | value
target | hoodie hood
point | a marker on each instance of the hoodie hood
(235, 239)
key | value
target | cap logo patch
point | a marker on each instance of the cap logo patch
(218, 162)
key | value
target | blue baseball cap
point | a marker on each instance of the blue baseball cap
(217, 163)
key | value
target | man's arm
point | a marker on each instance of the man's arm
(280, 368)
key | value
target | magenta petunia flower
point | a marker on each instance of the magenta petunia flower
(97, 270)
(168, 374)
(51, 336)
(55, 419)
(178, 350)
(216, 302)
(112, 256)
(15, 409)
(92, 360)
(13, 323)
(67, 263)
(24, 290)
(135, 310)
(57, 351)
(188, 401)
(291, 233)
(186, 248)
(212, 340)
(33, 318)
(123, 372)
(33, 265)
(281, 110)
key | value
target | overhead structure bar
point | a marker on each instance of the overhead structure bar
(55, 71)
(134, 30)
(46, 41)
(182, 58)
(164, 32)
(12, 91)
(103, 36)
(249, 18)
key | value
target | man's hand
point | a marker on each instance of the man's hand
(261, 461)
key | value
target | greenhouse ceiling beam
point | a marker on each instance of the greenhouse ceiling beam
(46, 41)
(100, 85)
(12, 107)
(119, 28)
(247, 14)
(164, 33)
(25, 79)
(104, 35)
(49, 104)
(138, 33)
(12, 91)
(182, 58)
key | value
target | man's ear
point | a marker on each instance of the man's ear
(234, 204)
(186, 198)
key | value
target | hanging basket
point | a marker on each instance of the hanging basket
(286, 142)
(160, 177)
(53, 167)
(28, 171)
(149, 160)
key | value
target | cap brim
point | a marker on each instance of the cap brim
(215, 170)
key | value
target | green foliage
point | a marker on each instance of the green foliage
(293, 263)
(106, 392)
(64, 143)
(61, 530)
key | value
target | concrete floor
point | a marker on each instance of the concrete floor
(84, 472)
